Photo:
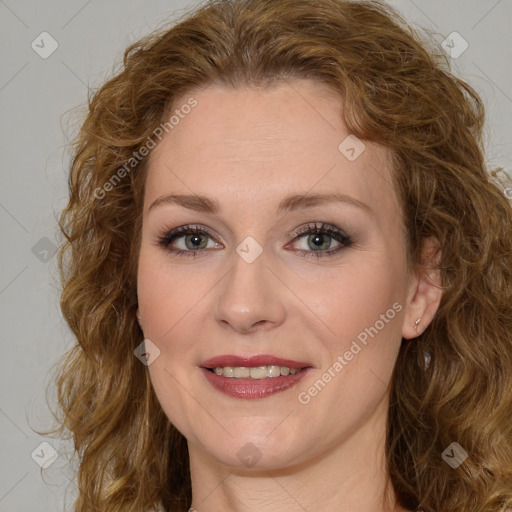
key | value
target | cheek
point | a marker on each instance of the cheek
(151, 283)
(361, 310)
(355, 298)
(162, 293)
(166, 301)
(170, 301)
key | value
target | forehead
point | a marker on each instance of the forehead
(259, 144)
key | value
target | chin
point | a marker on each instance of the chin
(257, 451)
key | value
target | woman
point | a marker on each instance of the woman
(288, 202)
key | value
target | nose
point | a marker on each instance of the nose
(251, 298)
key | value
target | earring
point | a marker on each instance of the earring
(416, 324)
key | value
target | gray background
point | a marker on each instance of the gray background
(42, 101)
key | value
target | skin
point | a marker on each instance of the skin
(250, 148)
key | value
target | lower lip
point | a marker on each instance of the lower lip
(253, 388)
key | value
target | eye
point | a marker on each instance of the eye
(317, 238)
(188, 240)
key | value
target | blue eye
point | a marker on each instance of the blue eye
(191, 240)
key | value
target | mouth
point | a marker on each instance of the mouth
(253, 377)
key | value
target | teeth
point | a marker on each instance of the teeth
(255, 372)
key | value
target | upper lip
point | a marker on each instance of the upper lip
(255, 360)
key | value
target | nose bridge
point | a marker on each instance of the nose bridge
(250, 293)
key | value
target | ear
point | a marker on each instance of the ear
(139, 318)
(424, 292)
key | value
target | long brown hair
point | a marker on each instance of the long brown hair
(396, 93)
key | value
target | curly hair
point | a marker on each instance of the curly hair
(397, 92)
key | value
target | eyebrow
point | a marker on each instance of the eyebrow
(295, 202)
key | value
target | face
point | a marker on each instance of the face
(319, 282)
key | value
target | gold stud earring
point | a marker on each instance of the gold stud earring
(416, 324)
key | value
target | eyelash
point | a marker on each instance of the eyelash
(167, 238)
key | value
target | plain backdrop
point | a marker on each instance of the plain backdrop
(43, 95)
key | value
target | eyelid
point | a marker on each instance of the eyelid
(185, 229)
(321, 227)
